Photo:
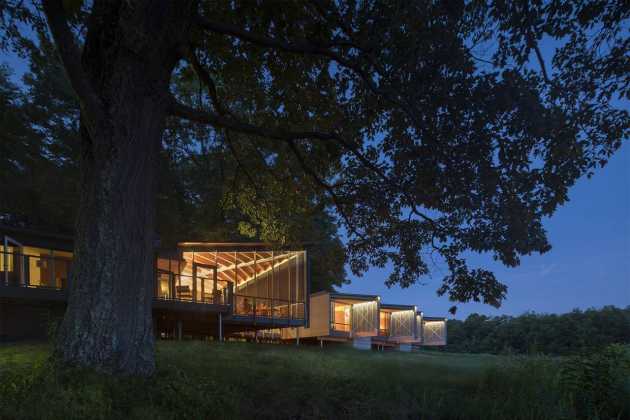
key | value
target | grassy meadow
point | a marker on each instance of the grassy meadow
(240, 380)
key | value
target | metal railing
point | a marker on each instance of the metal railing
(35, 271)
(339, 326)
(268, 308)
(53, 272)
(181, 287)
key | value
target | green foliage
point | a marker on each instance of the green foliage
(39, 144)
(237, 380)
(598, 383)
(532, 333)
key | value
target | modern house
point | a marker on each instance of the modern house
(206, 289)
(366, 322)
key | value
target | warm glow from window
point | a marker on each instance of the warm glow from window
(8, 257)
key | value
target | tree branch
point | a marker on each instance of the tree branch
(328, 188)
(222, 121)
(541, 61)
(219, 121)
(303, 46)
(296, 46)
(70, 55)
(205, 78)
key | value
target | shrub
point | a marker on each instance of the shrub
(597, 384)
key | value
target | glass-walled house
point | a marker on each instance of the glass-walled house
(201, 289)
(35, 262)
(256, 281)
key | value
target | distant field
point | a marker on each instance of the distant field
(240, 380)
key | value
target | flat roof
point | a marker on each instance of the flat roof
(224, 244)
(397, 306)
(353, 296)
(35, 232)
(433, 318)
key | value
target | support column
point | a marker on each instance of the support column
(220, 327)
(297, 338)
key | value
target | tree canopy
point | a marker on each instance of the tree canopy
(432, 127)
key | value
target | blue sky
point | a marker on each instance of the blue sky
(588, 266)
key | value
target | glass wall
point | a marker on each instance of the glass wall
(270, 284)
(384, 322)
(264, 283)
(341, 316)
(261, 283)
(35, 267)
(365, 319)
(403, 323)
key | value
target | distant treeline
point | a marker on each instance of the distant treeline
(533, 333)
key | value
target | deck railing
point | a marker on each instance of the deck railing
(36, 271)
(268, 308)
(339, 326)
(53, 272)
(181, 287)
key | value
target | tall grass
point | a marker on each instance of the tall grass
(238, 380)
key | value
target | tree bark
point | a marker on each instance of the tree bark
(129, 54)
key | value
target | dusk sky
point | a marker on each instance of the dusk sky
(588, 266)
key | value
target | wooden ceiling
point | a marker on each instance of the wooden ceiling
(239, 266)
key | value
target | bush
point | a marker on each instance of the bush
(598, 384)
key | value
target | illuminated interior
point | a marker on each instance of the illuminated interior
(434, 332)
(341, 316)
(353, 315)
(35, 267)
(384, 320)
(396, 322)
(259, 283)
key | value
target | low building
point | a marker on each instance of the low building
(207, 289)
(364, 321)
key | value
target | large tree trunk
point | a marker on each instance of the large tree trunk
(129, 54)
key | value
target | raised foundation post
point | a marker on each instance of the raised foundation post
(220, 327)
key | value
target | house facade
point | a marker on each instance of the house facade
(366, 322)
(206, 289)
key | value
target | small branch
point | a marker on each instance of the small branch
(205, 78)
(71, 58)
(541, 61)
(296, 46)
(328, 188)
(220, 121)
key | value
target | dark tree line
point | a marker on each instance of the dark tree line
(532, 333)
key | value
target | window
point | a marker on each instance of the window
(6, 255)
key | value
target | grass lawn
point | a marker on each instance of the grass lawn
(240, 380)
